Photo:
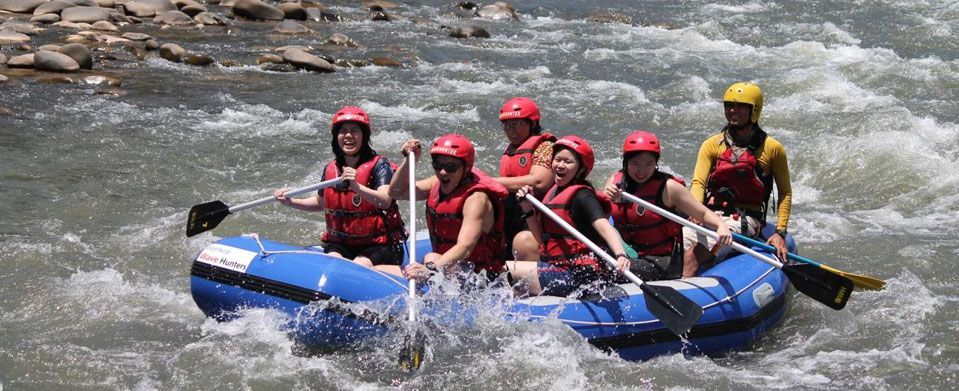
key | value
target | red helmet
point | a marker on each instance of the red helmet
(455, 145)
(581, 148)
(641, 141)
(351, 114)
(519, 108)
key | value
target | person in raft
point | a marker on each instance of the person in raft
(566, 265)
(363, 222)
(526, 161)
(734, 175)
(656, 239)
(464, 210)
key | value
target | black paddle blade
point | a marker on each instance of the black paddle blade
(676, 311)
(206, 216)
(822, 285)
(413, 351)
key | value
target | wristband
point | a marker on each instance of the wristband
(431, 266)
(621, 255)
(529, 214)
(782, 232)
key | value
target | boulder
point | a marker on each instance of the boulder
(210, 19)
(72, 25)
(274, 67)
(268, 58)
(3, 59)
(380, 16)
(22, 61)
(151, 44)
(378, 4)
(107, 3)
(84, 3)
(84, 14)
(45, 60)
(291, 27)
(50, 47)
(386, 62)
(45, 18)
(255, 9)
(341, 40)
(79, 53)
(138, 52)
(198, 59)
(609, 17)
(136, 36)
(497, 11)
(193, 9)
(292, 11)
(8, 37)
(148, 8)
(469, 32)
(304, 60)
(3, 79)
(20, 6)
(19, 27)
(174, 18)
(172, 52)
(53, 7)
(103, 25)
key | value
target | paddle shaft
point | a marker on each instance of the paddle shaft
(579, 235)
(703, 230)
(289, 193)
(411, 166)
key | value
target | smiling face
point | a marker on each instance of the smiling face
(449, 171)
(350, 138)
(565, 167)
(737, 114)
(516, 130)
(641, 166)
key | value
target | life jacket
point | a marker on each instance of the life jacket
(353, 221)
(444, 218)
(738, 180)
(560, 248)
(646, 231)
(520, 161)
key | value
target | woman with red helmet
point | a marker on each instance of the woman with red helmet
(656, 239)
(362, 222)
(464, 210)
(526, 161)
(565, 264)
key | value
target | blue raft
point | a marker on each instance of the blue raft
(333, 302)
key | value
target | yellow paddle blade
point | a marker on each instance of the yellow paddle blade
(861, 282)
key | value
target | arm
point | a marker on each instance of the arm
(532, 221)
(379, 197)
(309, 204)
(539, 177)
(477, 215)
(678, 198)
(399, 184)
(612, 188)
(704, 164)
(780, 171)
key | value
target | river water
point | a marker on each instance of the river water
(94, 189)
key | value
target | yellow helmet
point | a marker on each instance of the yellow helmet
(748, 93)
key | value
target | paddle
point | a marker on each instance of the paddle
(206, 216)
(822, 285)
(860, 281)
(676, 311)
(414, 347)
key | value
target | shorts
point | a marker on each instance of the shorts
(564, 281)
(692, 238)
(384, 254)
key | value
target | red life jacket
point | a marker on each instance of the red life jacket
(353, 221)
(740, 175)
(520, 161)
(444, 218)
(648, 232)
(560, 248)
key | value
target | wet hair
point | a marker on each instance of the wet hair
(366, 150)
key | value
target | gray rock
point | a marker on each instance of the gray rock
(609, 17)
(18, 26)
(379, 5)
(195, 59)
(230, 63)
(79, 53)
(193, 9)
(148, 8)
(3, 59)
(291, 27)
(274, 67)
(50, 47)
(113, 91)
(45, 18)
(54, 80)
(20, 6)
(53, 7)
(151, 45)
(103, 25)
(138, 52)
(304, 60)
(174, 18)
(101, 80)
(497, 11)
(45, 60)
(106, 3)
(8, 37)
(341, 40)
(268, 58)
(292, 11)
(136, 36)
(255, 9)
(172, 52)
(210, 19)
(3, 79)
(85, 14)
(84, 3)
(386, 62)
(380, 16)
(22, 61)
(469, 32)
(71, 25)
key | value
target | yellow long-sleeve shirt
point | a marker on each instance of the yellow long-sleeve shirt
(772, 159)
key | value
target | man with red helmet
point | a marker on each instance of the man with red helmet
(656, 239)
(526, 161)
(362, 222)
(566, 265)
(734, 176)
(464, 210)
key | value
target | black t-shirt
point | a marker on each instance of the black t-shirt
(585, 208)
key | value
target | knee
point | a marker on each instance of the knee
(525, 247)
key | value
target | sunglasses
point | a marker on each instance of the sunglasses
(450, 167)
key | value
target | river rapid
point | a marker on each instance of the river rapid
(94, 189)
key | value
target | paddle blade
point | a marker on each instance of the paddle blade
(676, 311)
(860, 281)
(822, 285)
(413, 351)
(206, 216)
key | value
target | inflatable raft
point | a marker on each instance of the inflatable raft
(333, 302)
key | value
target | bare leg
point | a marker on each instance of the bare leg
(391, 269)
(336, 254)
(525, 247)
(525, 279)
(694, 257)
